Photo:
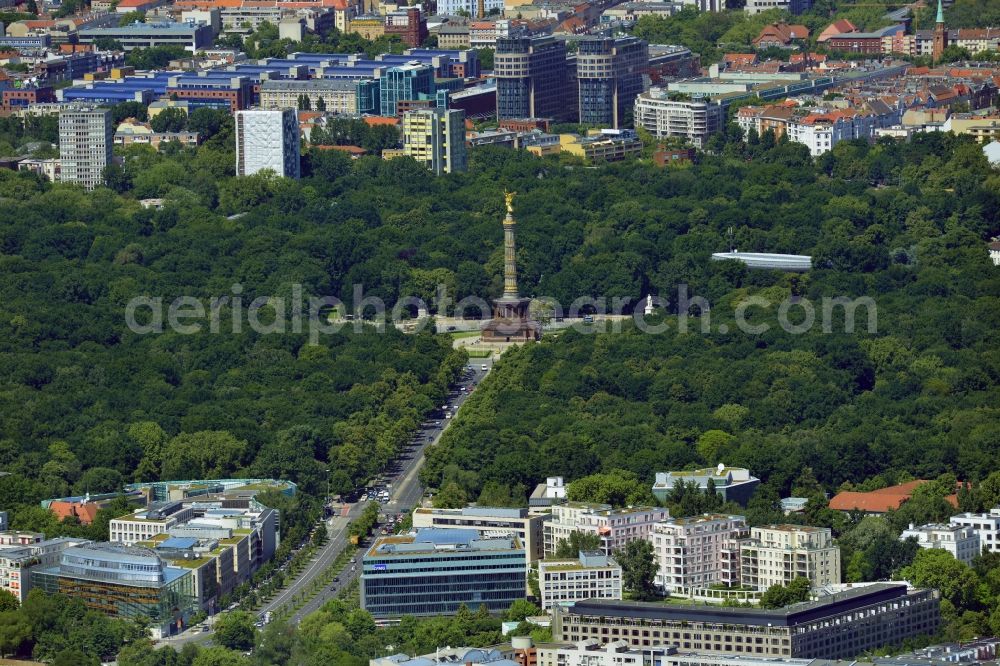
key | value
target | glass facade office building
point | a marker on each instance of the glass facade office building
(610, 75)
(533, 79)
(434, 571)
(409, 82)
(124, 582)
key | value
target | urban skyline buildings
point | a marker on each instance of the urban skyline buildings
(267, 139)
(436, 138)
(86, 140)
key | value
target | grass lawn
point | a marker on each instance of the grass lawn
(459, 335)
(479, 353)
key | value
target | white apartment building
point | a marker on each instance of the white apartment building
(693, 120)
(961, 541)
(267, 139)
(986, 525)
(237, 17)
(819, 134)
(494, 522)
(778, 554)
(616, 527)
(18, 558)
(144, 524)
(754, 7)
(707, 5)
(693, 553)
(469, 6)
(436, 138)
(86, 140)
(593, 575)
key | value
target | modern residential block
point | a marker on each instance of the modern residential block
(616, 527)
(733, 484)
(666, 115)
(436, 138)
(609, 74)
(22, 553)
(606, 145)
(838, 626)
(267, 139)
(694, 553)
(592, 575)
(778, 554)
(490, 521)
(86, 139)
(434, 571)
(533, 79)
(986, 525)
(962, 541)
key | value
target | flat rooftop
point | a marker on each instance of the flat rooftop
(440, 541)
(783, 617)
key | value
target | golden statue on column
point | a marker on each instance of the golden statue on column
(511, 319)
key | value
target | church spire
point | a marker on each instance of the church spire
(940, 13)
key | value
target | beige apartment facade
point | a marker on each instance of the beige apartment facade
(778, 554)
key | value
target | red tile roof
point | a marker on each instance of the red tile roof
(381, 120)
(841, 27)
(352, 150)
(882, 500)
(782, 32)
(85, 512)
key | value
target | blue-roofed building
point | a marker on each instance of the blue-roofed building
(126, 582)
(130, 89)
(494, 521)
(433, 571)
(214, 89)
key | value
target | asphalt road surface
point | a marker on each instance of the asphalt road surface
(405, 493)
(404, 475)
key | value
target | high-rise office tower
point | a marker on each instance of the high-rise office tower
(267, 139)
(436, 137)
(406, 84)
(533, 79)
(609, 74)
(86, 138)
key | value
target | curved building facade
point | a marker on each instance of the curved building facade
(124, 582)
